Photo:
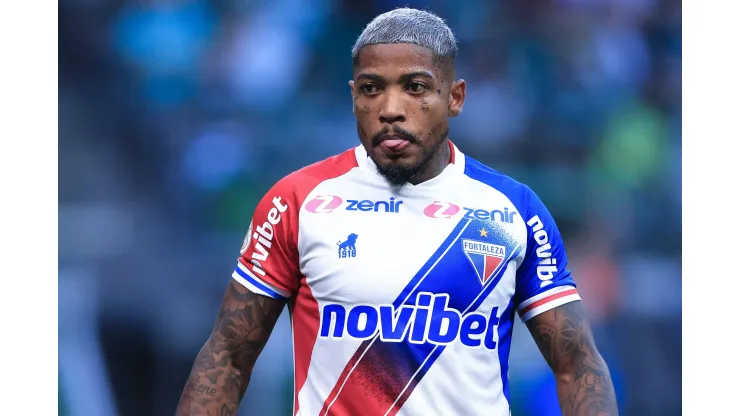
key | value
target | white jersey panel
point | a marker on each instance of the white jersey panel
(374, 272)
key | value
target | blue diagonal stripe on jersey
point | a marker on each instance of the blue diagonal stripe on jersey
(447, 271)
(371, 353)
(406, 294)
(430, 352)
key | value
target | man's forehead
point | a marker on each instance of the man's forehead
(395, 60)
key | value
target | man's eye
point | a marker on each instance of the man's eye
(369, 89)
(416, 87)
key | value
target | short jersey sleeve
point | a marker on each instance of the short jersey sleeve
(543, 280)
(268, 261)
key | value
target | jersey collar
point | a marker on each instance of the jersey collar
(456, 165)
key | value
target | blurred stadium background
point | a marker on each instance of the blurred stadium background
(175, 116)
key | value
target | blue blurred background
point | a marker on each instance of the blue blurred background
(175, 116)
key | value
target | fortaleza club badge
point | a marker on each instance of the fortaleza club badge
(485, 257)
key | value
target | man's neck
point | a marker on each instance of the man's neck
(437, 163)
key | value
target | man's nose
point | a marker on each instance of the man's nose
(392, 109)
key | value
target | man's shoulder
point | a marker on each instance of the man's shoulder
(329, 168)
(302, 181)
(503, 183)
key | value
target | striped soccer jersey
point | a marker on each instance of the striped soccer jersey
(403, 301)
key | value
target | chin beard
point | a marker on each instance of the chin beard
(397, 174)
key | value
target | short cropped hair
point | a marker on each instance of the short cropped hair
(405, 25)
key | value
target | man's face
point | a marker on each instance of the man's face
(402, 102)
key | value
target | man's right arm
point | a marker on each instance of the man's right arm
(222, 369)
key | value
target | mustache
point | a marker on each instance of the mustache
(395, 131)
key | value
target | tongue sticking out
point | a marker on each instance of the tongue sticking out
(394, 146)
(394, 143)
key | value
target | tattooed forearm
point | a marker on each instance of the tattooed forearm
(564, 337)
(224, 365)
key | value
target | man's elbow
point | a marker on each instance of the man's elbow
(237, 353)
(583, 364)
(565, 377)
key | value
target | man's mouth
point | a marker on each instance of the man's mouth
(393, 143)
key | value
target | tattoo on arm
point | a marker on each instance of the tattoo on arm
(224, 365)
(564, 337)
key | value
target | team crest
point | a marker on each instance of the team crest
(485, 257)
(247, 240)
(347, 248)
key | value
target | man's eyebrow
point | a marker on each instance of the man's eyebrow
(424, 74)
(402, 79)
(372, 77)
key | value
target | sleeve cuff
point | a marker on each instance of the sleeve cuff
(547, 300)
(253, 283)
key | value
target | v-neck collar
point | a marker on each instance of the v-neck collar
(455, 166)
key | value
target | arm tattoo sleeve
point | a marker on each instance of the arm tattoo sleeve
(224, 365)
(564, 337)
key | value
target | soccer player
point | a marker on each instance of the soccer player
(403, 262)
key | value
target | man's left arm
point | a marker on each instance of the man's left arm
(563, 335)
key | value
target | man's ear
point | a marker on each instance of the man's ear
(457, 98)
(352, 91)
